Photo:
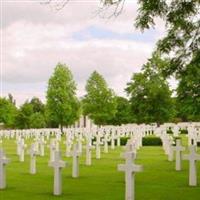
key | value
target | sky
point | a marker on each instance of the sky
(35, 37)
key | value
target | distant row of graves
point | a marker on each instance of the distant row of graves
(98, 139)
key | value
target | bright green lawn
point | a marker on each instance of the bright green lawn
(101, 181)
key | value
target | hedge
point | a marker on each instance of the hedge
(151, 141)
(146, 141)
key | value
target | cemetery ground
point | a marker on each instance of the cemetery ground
(101, 181)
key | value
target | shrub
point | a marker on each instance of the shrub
(184, 131)
(151, 141)
(124, 140)
(169, 131)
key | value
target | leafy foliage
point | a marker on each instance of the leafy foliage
(7, 112)
(123, 114)
(63, 106)
(31, 114)
(37, 120)
(99, 103)
(188, 92)
(150, 96)
(38, 106)
(182, 22)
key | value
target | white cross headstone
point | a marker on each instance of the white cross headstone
(75, 155)
(192, 157)
(98, 146)
(68, 146)
(52, 147)
(178, 149)
(113, 137)
(57, 164)
(33, 154)
(79, 141)
(3, 162)
(130, 168)
(22, 148)
(105, 141)
(89, 148)
(42, 145)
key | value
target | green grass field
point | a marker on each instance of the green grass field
(101, 181)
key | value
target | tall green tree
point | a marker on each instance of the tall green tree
(150, 96)
(23, 116)
(99, 103)
(37, 120)
(123, 114)
(31, 114)
(8, 112)
(63, 107)
(188, 91)
(38, 106)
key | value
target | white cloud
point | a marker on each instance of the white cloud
(36, 38)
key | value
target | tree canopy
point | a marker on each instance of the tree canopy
(150, 96)
(63, 107)
(99, 103)
(123, 114)
(8, 112)
(188, 92)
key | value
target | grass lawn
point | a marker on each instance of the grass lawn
(101, 181)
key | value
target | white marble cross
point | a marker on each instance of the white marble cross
(57, 164)
(41, 145)
(75, 155)
(22, 147)
(18, 145)
(89, 148)
(113, 137)
(105, 141)
(53, 148)
(130, 168)
(3, 162)
(131, 146)
(79, 141)
(192, 157)
(68, 146)
(98, 144)
(33, 154)
(178, 149)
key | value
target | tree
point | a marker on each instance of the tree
(63, 107)
(7, 112)
(38, 106)
(12, 100)
(188, 91)
(183, 29)
(31, 114)
(37, 120)
(23, 115)
(150, 96)
(123, 114)
(99, 103)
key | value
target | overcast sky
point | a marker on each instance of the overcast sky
(36, 38)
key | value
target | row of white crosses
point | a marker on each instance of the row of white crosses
(105, 134)
(192, 157)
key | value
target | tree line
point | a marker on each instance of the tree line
(149, 99)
